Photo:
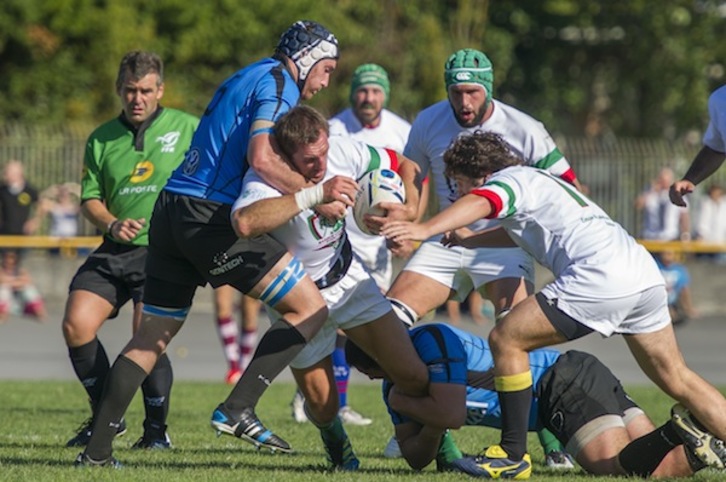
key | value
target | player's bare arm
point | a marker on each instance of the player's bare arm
(443, 407)
(122, 229)
(267, 214)
(462, 213)
(706, 162)
(419, 444)
(489, 238)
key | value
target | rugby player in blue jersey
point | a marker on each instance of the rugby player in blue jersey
(192, 242)
(574, 395)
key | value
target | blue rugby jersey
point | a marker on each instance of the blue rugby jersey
(456, 356)
(216, 162)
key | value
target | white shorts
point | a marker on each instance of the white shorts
(374, 254)
(645, 311)
(353, 301)
(462, 269)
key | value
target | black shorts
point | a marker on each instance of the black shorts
(566, 325)
(192, 243)
(114, 271)
(577, 389)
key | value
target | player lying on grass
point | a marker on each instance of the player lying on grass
(574, 395)
(354, 301)
(605, 282)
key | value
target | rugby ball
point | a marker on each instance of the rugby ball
(381, 185)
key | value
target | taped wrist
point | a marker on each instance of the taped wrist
(309, 197)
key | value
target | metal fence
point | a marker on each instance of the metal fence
(615, 171)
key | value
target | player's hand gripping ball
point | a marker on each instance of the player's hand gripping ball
(381, 185)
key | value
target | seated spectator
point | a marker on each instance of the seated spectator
(61, 204)
(678, 282)
(711, 220)
(662, 220)
(18, 294)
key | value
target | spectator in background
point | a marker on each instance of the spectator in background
(18, 294)
(711, 219)
(17, 199)
(662, 221)
(678, 285)
(61, 204)
(238, 347)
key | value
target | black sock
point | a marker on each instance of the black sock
(157, 389)
(514, 425)
(121, 385)
(643, 455)
(90, 363)
(277, 348)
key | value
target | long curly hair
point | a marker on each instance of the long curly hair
(478, 154)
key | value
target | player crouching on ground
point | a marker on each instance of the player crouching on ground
(592, 420)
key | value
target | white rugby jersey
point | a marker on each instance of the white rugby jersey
(564, 230)
(435, 128)
(314, 240)
(715, 136)
(391, 133)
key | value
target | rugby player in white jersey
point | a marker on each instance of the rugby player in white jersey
(356, 304)
(605, 282)
(504, 275)
(366, 120)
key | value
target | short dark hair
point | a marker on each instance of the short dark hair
(299, 126)
(356, 357)
(138, 64)
(478, 154)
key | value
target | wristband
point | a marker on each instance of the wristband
(109, 228)
(309, 197)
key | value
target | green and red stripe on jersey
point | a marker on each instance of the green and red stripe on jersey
(549, 163)
(499, 202)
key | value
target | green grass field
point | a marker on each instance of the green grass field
(38, 417)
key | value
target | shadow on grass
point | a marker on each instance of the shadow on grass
(189, 465)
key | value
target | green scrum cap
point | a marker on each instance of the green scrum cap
(367, 74)
(469, 66)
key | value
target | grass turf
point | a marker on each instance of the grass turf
(37, 418)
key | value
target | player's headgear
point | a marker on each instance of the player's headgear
(306, 43)
(368, 74)
(469, 66)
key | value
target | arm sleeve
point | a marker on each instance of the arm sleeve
(90, 186)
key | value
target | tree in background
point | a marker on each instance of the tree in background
(638, 68)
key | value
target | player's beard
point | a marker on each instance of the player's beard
(370, 117)
(475, 121)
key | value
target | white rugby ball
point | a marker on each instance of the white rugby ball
(381, 185)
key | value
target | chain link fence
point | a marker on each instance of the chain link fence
(614, 171)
